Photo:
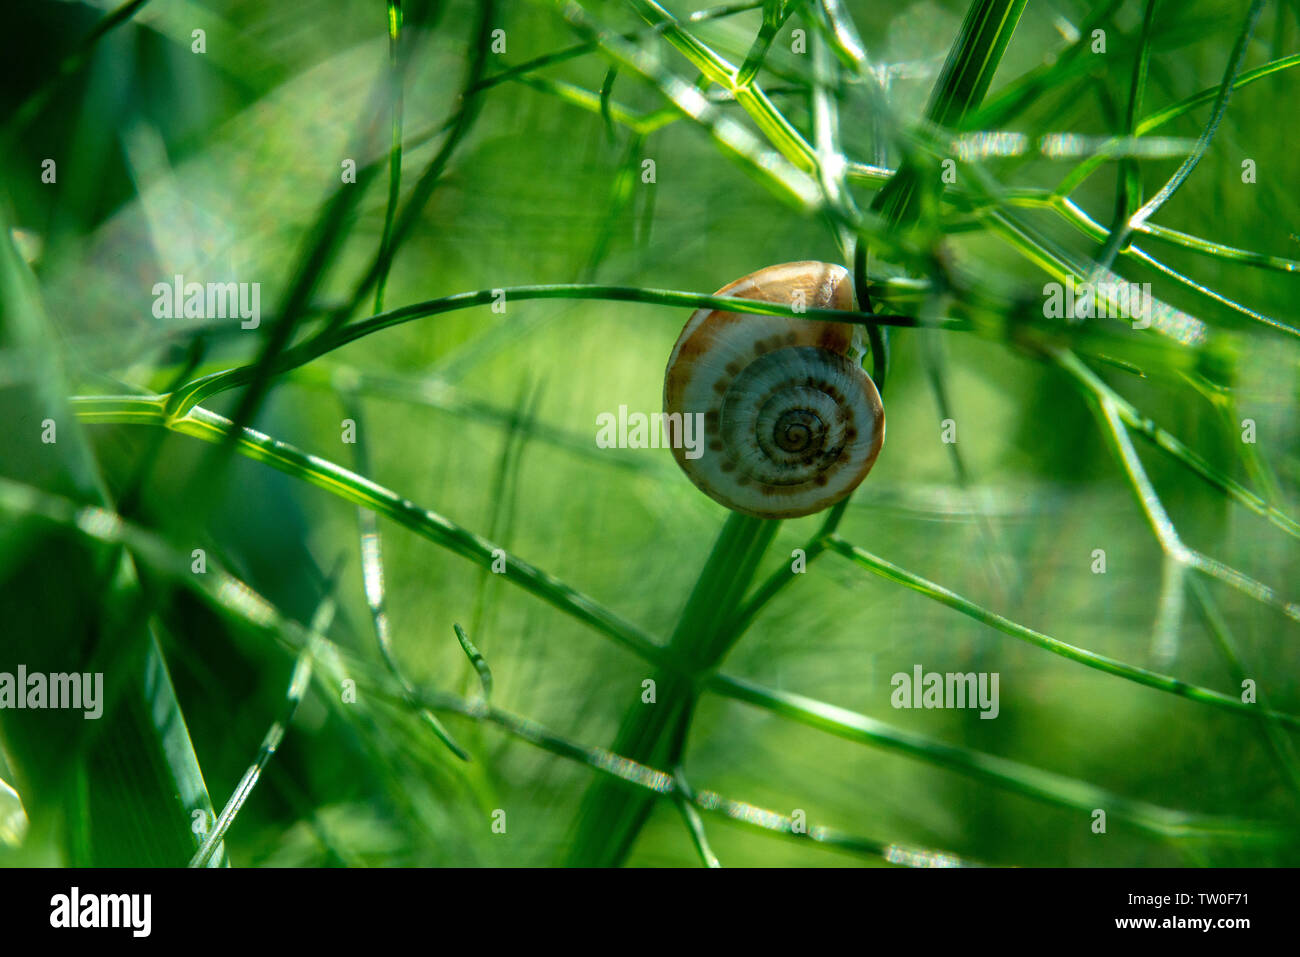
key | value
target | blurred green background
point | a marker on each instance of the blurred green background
(217, 165)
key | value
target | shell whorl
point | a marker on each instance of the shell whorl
(792, 423)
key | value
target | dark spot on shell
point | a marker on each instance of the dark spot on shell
(833, 339)
(728, 466)
(819, 479)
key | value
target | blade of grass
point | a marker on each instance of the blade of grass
(119, 790)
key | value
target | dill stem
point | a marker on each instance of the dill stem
(654, 734)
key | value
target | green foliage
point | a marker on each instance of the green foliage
(399, 632)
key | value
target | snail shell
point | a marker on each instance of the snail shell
(792, 423)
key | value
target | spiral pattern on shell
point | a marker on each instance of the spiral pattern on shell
(792, 423)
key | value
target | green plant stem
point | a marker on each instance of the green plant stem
(394, 153)
(351, 487)
(655, 733)
(610, 820)
(191, 394)
(233, 598)
(967, 73)
(201, 424)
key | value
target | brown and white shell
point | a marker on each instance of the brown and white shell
(792, 423)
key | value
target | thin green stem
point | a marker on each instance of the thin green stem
(1030, 781)
(654, 732)
(1120, 235)
(901, 576)
(198, 390)
(348, 485)
(395, 150)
